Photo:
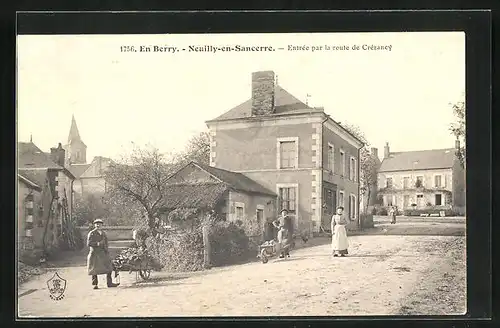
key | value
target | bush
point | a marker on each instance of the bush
(183, 251)
(382, 211)
(418, 212)
(229, 244)
(179, 251)
(366, 221)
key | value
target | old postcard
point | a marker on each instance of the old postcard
(199, 175)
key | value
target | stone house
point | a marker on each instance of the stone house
(233, 196)
(44, 190)
(89, 177)
(422, 179)
(300, 152)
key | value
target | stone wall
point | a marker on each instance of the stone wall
(113, 233)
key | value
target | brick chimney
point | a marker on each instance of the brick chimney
(374, 152)
(57, 155)
(386, 150)
(262, 93)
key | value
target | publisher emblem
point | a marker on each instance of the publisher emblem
(56, 286)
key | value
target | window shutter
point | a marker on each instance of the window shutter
(350, 206)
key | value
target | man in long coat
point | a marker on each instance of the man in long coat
(98, 260)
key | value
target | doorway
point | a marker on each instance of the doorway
(329, 205)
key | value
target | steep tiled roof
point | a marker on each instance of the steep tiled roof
(285, 103)
(236, 181)
(38, 177)
(30, 156)
(78, 169)
(29, 182)
(418, 160)
(203, 196)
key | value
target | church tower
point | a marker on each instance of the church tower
(76, 150)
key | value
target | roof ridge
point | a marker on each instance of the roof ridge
(422, 150)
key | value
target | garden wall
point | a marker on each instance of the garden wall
(113, 233)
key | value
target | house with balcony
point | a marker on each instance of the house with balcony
(422, 180)
(308, 159)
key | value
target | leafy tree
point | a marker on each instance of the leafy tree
(458, 129)
(368, 164)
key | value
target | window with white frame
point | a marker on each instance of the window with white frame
(288, 153)
(405, 182)
(388, 182)
(331, 157)
(352, 169)
(342, 163)
(419, 182)
(288, 198)
(341, 199)
(260, 214)
(438, 181)
(240, 210)
(352, 206)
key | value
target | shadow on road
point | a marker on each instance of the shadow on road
(160, 282)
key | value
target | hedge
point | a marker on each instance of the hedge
(418, 212)
(183, 250)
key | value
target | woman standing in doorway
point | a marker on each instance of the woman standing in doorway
(339, 233)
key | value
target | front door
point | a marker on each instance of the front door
(420, 201)
(406, 201)
(329, 206)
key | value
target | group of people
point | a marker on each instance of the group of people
(339, 222)
(99, 262)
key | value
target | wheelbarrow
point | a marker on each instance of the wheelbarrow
(269, 250)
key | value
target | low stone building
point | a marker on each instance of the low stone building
(232, 196)
(426, 179)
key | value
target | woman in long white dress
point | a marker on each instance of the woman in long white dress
(339, 233)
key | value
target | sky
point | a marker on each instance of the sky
(401, 96)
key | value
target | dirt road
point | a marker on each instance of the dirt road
(384, 275)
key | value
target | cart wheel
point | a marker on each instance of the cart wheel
(145, 274)
(263, 256)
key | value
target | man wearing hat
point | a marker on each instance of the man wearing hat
(285, 232)
(98, 260)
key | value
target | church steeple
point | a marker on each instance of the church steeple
(73, 131)
(76, 150)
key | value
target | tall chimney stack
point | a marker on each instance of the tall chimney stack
(263, 93)
(57, 155)
(386, 150)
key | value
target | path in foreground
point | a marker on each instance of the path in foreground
(384, 275)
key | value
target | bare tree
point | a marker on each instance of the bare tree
(368, 164)
(458, 129)
(141, 179)
(197, 149)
